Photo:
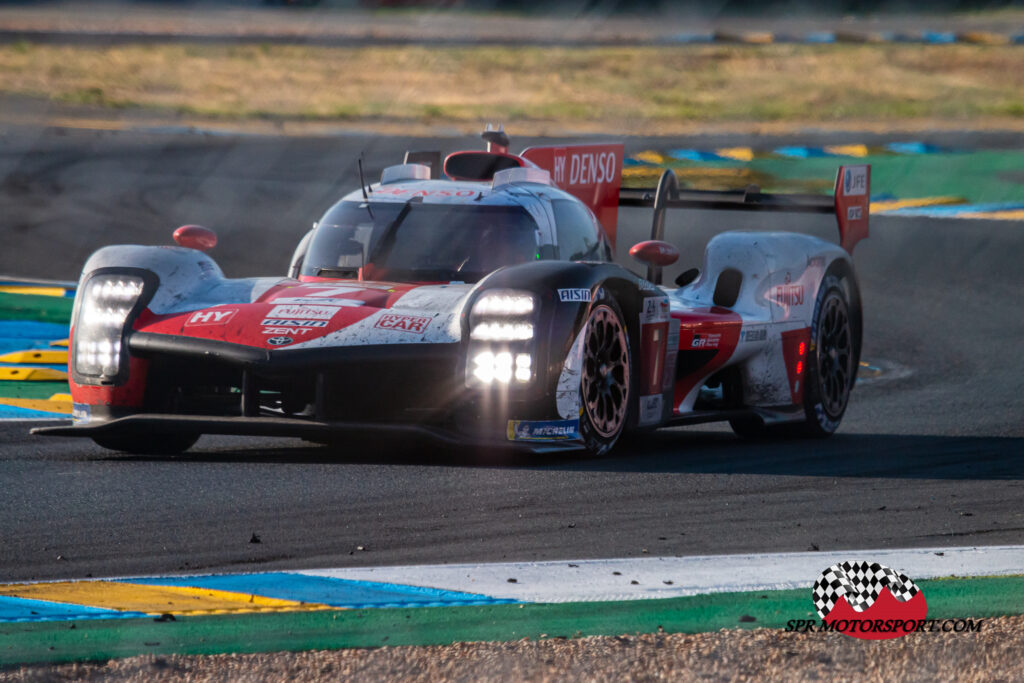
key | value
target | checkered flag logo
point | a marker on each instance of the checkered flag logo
(860, 583)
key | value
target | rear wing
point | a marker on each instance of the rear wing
(850, 202)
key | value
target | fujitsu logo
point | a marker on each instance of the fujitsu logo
(789, 295)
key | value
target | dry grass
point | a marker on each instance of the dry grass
(640, 89)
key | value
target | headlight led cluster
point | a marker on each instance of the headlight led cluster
(503, 302)
(106, 303)
(501, 338)
(490, 367)
(502, 331)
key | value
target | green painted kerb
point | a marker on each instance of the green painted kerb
(46, 309)
(99, 640)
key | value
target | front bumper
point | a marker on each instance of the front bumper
(414, 390)
(325, 432)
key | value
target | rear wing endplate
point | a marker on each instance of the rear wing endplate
(850, 202)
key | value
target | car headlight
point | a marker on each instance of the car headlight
(503, 302)
(501, 325)
(502, 367)
(496, 331)
(107, 301)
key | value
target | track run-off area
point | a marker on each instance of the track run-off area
(930, 453)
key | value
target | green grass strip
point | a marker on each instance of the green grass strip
(98, 640)
(44, 309)
(41, 390)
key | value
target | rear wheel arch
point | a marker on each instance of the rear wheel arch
(838, 283)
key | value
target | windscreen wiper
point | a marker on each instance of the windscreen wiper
(387, 238)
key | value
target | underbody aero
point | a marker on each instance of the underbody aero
(481, 307)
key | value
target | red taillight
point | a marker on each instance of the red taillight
(800, 350)
(799, 367)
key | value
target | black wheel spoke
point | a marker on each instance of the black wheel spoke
(835, 359)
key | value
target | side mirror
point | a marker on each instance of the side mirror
(655, 253)
(195, 237)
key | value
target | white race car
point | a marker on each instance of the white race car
(476, 301)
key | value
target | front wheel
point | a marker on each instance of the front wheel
(147, 444)
(606, 383)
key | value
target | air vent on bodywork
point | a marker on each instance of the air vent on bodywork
(479, 165)
(393, 174)
(521, 175)
(727, 289)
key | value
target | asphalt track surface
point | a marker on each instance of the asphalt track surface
(930, 458)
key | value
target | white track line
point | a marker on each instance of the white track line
(595, 580)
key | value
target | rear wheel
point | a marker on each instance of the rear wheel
(831, 369)
(831, 363)
(147, 444)
(606, 383)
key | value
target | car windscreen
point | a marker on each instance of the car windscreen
(418, 242)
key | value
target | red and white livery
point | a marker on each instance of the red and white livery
(478, 301)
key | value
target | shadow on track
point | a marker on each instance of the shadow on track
(857, 455)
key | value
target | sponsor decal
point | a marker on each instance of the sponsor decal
(754, 334)
(854, 213)
(789, 295)
(655, 310)
(280, 341)
(706, 341)
(586, 168)
(547, 430)
(305, 300)
(573, 295)
(855, 181)
(333, 291)
(217, 316)
(646, 286)
(303, 312)
(286, 330)
(285, 322)
(80, 413)
(403, 323)
(671, 354)
(406, 192)
(650, 409)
